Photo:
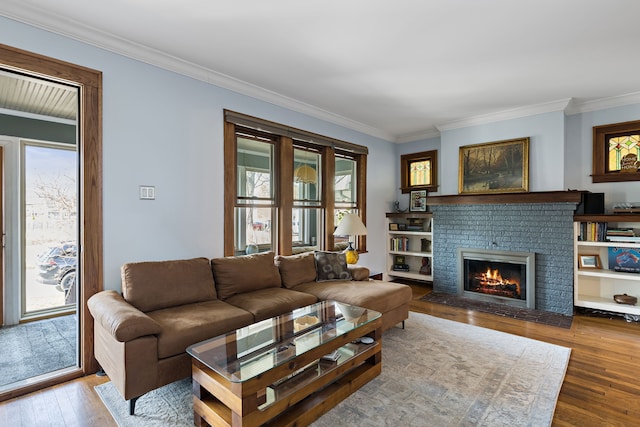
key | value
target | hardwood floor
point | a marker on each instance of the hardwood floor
(601, 387)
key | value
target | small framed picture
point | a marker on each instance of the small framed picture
(398, 260)
(393, 226)
(589, 261)
(418, 202)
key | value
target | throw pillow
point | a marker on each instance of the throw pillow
(331, 266)
(296, 269)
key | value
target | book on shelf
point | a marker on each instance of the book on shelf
(400, 243)
(601, 232)
(624, 239)
(415, 224)
(593, 231)
(628, 235)
(620, 232)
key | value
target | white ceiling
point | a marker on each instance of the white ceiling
(397, 69)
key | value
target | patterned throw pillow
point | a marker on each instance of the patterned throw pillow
(331, 266)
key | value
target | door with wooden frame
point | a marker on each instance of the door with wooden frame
(89, 84)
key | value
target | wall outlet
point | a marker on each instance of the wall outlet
(147, 192)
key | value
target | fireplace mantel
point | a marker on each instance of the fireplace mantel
(498, 199)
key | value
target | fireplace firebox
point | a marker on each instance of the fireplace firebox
(497, 276)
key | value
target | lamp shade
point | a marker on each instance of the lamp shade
(351, 225)
(305, 174)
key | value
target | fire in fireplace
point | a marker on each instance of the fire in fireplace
(497, 276)
(493, 278)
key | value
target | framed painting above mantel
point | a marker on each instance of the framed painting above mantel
(496, 167)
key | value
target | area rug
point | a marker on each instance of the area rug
(435, 372)
(537, 316)
(36, 348)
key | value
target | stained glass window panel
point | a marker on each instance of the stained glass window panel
(620, 146)
(420, 173)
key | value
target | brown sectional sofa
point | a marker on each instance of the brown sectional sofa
(141, 336)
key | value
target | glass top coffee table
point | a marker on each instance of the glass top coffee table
(290, 368)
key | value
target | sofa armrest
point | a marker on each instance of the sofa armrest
(358, 272)
(123, 321)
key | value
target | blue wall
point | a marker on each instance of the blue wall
(561, 151)
(165, 129)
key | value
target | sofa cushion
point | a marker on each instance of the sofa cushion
(154, 285)
(238, 274)
(189, 324)
(296, 269)
(266, 303)
(375, 295)
(331, 266)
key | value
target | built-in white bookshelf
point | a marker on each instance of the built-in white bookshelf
(604, 268)
(410, 239)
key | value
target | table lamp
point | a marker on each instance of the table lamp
(351, 225)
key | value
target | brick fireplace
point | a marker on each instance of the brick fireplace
(539, 227)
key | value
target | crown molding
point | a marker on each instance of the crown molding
(577, 107)
(514, 113)
(433, 132)
(34, 16)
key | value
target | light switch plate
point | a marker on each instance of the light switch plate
(147, 192)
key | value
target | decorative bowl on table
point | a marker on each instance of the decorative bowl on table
(625, 299)
(304, 322)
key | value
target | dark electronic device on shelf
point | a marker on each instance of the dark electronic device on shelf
(591, 204)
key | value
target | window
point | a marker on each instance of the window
(616, 150)
(256, 199)
(49, 229)
(622, 147)
(345, 193)
(288, 187)
(419, 171)
(306, 215)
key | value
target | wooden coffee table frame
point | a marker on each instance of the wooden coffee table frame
(220, 402)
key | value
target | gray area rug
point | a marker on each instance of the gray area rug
(436, 372)
(37, 348)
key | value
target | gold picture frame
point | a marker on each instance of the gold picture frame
(589, 261)
(495, 167)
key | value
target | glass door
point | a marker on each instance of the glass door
(49, 228)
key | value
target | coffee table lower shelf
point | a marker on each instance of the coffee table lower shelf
(299, 400)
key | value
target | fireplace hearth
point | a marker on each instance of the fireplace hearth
(504, 277)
